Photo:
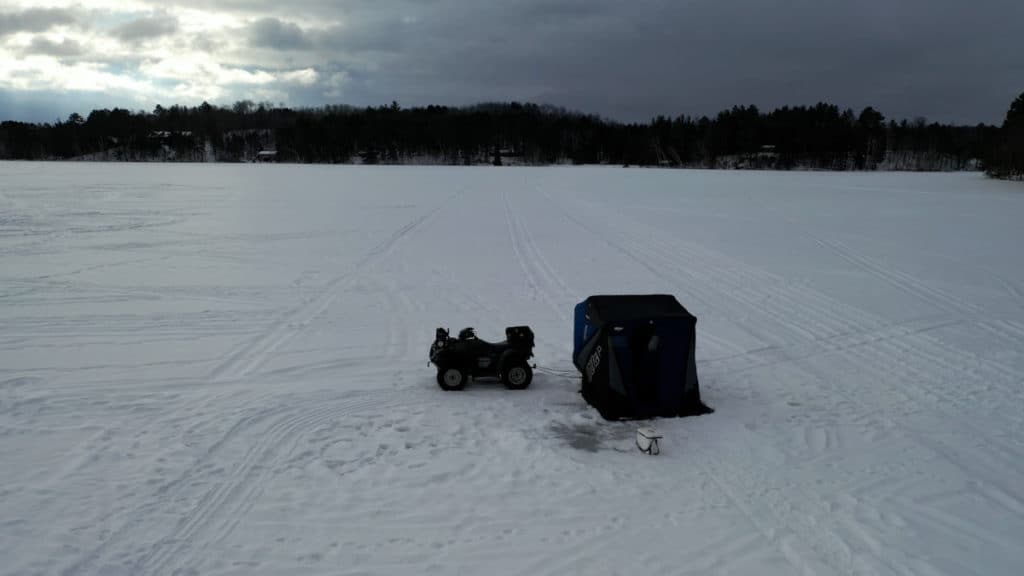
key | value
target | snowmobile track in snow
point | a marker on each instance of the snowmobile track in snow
(251, 355)
(232, 489)
(542, 279)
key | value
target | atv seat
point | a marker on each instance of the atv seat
(499, 346)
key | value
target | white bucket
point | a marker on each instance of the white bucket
(647, 441)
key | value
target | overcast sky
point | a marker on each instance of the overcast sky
(956, 61)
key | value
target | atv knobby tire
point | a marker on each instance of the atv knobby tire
(451, 378)
(516, 375)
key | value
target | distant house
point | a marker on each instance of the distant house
(266, 156)
(165, 136)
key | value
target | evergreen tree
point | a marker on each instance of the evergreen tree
(1007, 158)
(1013, 129)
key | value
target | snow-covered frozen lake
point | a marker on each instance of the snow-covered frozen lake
(221, 369)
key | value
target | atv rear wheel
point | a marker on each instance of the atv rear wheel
(451, 378)
(516, 375)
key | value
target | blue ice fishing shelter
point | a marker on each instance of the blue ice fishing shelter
(636, 355)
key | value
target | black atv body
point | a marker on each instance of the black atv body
(460, 359)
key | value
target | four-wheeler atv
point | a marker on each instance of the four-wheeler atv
(465, 357)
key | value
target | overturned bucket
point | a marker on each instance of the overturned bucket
(647, 441)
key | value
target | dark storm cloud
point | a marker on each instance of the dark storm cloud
(947, 60)
(359, 32)
(382, 35)
(273, 33)
(68, 48)
(34, 20)
(147, 28)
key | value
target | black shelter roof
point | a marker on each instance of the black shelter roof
(606, 309)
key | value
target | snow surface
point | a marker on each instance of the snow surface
(222, 370)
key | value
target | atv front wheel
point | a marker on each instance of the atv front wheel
(516, 375)
(451, 379)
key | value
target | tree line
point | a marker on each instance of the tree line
(1007, 161)
(821, 136)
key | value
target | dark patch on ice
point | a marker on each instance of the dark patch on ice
(579, 436)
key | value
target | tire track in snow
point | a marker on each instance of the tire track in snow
(910, 366)
(911, 359)
(900, 280)
(988, 460)
(621, 249)
(178, 293)
(803, 529)
(455, 295)
(809, 529)
(759, 293)
(932, 352)
(929, 352)
(893, 347)
(759, 289)
(762, 290)
(844, 321)
(398, 307)
(215, 514)
(250, 356)
(714, 279)
(163, 496)
(635, 250)
(993, 372)
(771, 355)
(543, 263)
(838, 336)
(397, 344)
(742, 501)
(937, 353)
(696, 287)
(224, 507)
(1004, 330)
(539, 275)
(745, 498)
